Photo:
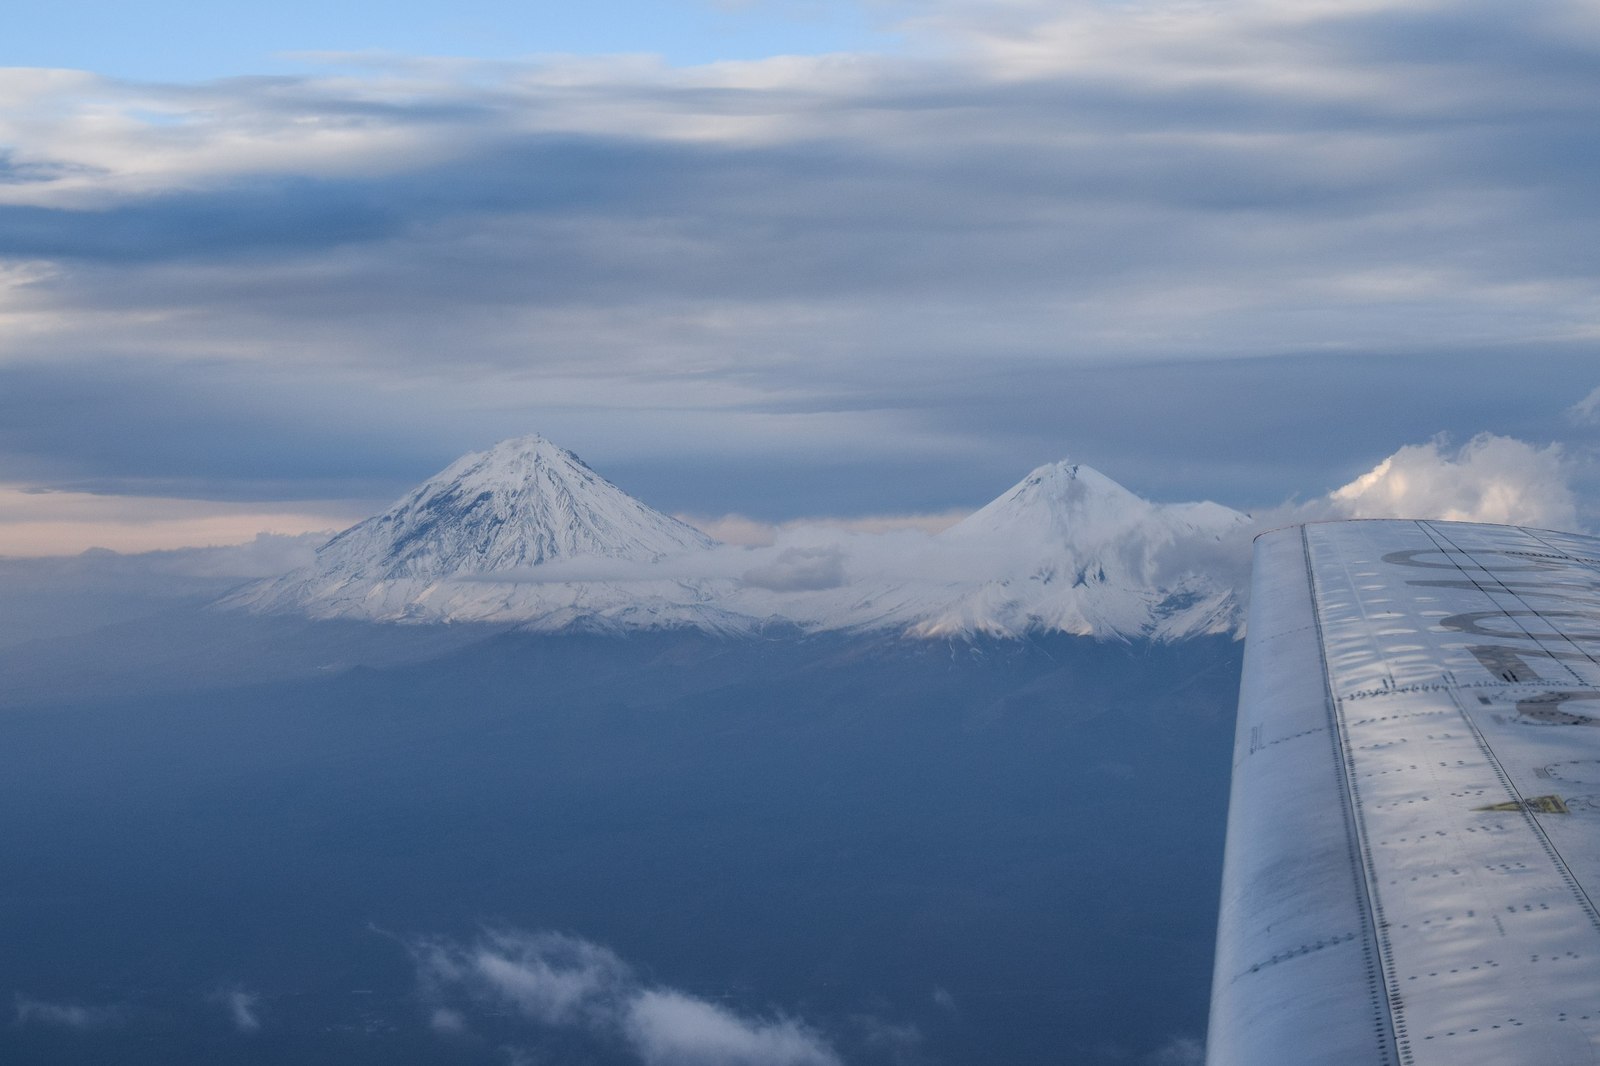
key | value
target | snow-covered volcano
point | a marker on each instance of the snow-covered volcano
(1073, 550)
(1074, 509)
(523, 503)
(525, 533)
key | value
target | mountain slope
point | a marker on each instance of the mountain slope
(1080, 553)
(1064, 550)
(526, 534)
(523, 503)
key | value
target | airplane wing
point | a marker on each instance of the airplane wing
(1413, 853)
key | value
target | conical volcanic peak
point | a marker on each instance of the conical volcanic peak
(1069, 549)
(526, 534)
(1066, 502)
(489, 516)
(523, 502)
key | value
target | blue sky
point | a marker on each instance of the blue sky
(180, 40)
(873, 259)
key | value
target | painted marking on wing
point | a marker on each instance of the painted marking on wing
(1536, 804)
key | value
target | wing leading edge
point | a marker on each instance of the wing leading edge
(1414, 827)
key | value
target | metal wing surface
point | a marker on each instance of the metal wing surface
(1413, 848)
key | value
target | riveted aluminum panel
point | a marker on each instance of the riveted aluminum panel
(1296, 965)
(1460, 693)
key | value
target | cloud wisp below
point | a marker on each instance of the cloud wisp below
(65, 1015)
(556, 982)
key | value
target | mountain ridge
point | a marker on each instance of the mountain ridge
(525, 533)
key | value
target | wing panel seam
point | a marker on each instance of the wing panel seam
(1376, 956)
(1505, 590)
(1562, 869)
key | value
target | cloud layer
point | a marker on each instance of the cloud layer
(875, 571)
(1048, 229)
(557, 982)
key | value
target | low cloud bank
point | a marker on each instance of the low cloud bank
(58, 596)
(752, 533)
(878, 569)
(1488, 479)
(264, 555)
(799, 570)
(570, 985)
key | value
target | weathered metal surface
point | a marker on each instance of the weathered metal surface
(1414, 837)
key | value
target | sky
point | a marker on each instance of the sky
(182, 40)
(261, 270)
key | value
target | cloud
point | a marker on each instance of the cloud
(243, 1007)
(1179, 1051)
(816, 573)
(668, 1028)
(734, 529)
(445, 1020)
(750, 532)
(1588, 408)
(54, 596)
(553, 979)
(56, 523)
(799, 569)
(1488, 479)
(887, 279)
(898, 1043)
(561, 982)
(263, 555)
(806, 556)
(30, 1011)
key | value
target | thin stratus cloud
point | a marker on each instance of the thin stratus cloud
(1233, 251)
(64, 523)
(29, 1011)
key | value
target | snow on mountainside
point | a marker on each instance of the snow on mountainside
(526, 534)
(1065, 550)
(522, 503)
(1085, 555)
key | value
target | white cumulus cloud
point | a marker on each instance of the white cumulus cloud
(1488, 479)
